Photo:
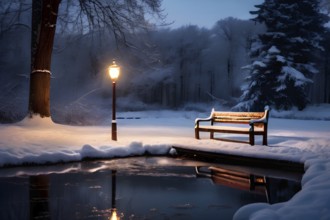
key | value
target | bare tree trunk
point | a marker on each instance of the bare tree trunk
(39, 102)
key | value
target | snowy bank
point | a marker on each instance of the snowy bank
(39, 141)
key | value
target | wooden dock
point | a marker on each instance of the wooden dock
(239, 160)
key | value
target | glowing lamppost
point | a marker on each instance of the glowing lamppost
(114, 71)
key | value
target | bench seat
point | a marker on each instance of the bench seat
(228, 129)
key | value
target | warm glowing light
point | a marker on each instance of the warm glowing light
(260, 180)
(114, 215)
(114, 71)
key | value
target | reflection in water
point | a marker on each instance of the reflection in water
(114, 215)
(135, 188)
(39, 190)
(235, 179)
(271, 188)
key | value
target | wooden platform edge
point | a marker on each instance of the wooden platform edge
(239, 160)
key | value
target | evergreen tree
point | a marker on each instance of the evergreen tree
(282, 67)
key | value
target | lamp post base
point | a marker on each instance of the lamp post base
(114, 131)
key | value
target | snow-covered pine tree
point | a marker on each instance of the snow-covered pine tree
(282, 57)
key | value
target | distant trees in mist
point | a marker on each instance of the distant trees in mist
(161, 68)
(166, 67)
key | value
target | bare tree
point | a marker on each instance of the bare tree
(234, 35)
(119, 16)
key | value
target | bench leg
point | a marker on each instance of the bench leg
(196, 133)
(211, 135)
(264, 139)
(251, 140)
(264, 135)
(251, 137)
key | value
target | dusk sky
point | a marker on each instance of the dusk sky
(205, 13)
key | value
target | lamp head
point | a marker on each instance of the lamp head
(114, 71)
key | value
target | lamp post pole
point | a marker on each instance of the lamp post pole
(114, 71)
(114, 121)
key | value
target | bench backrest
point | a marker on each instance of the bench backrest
(223, 116)
(238, 117)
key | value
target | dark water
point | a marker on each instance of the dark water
(138, 188)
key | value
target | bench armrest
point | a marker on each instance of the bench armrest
(197, 120)
(264, 118)
(255, 121)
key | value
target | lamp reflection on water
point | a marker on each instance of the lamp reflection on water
(114, 215)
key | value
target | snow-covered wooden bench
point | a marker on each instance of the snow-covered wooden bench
(255, 123)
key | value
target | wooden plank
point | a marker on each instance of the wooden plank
(224, 129)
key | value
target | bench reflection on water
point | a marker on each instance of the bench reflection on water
(267, 186)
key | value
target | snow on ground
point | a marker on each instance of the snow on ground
(296, 139)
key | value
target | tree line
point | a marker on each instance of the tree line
(161, 67)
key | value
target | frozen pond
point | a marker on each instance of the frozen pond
(138, 188)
